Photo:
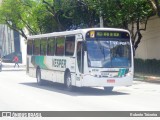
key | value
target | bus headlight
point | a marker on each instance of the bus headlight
(95, 75)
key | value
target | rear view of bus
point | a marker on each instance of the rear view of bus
(109, 57)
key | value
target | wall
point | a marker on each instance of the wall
(6, 40)
(149, 48)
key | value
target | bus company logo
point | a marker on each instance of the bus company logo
(6, 114)
(59, 63)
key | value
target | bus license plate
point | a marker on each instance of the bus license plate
(111, 81)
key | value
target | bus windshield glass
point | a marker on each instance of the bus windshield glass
(108, 49)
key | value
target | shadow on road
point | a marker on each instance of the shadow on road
(83, 91)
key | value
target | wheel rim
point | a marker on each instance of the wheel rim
(68, 82)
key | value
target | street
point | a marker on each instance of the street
(19, 92)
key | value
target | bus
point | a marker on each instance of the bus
(92, 57)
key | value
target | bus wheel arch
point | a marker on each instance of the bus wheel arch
(67, 80)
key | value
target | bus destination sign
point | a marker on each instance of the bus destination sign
(107, 34)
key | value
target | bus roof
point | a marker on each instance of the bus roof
(72, 32)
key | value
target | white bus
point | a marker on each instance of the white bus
(93, 57)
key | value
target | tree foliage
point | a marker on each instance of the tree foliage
(17, 15)
(43, 16)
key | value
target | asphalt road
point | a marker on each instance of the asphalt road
(19, 92)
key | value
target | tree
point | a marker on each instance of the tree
(156, 6)
(15, 14)
(43, 16)
(136, 12)
(127, 14)
(29, 14)
(71, 14)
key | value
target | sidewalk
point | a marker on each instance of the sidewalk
(147, 78)
(10, 67)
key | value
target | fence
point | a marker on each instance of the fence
(147, 69)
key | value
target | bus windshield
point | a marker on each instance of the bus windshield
(108, 52)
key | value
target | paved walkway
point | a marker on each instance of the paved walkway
(10, 67)
(147, 78)
(12, 64)
(150, 79)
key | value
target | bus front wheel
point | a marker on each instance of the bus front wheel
(108, 89)
(68, 81)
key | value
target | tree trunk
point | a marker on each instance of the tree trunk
(138, 40)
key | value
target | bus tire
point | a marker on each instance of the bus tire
(68, 82)
(108, 89)
(38, 76)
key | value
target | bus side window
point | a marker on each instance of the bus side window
(43, 48)
(51, 46)
(36, 47)
(69, 45)
(60, 46)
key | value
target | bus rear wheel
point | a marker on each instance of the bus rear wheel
(38, 75)
(108, 89)
(68, 82)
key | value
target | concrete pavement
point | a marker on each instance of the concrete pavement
(10, 67)
(150, 79)
(19, 92)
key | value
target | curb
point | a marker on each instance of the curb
(11, 65)
(148, 81)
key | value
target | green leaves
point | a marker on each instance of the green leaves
(43, 16)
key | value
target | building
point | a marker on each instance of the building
(149, 47)
(9, 43)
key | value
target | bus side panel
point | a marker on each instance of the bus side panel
(31, 68)
(47, 72)
(45, 63)
(46, 75)
(70, 65)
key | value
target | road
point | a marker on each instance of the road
(19, 92)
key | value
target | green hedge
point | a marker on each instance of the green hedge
(149, 66)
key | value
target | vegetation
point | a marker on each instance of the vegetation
(147, 67)
(43, 16)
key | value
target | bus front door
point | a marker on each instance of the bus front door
(79, 63)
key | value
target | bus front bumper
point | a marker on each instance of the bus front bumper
(91, 81)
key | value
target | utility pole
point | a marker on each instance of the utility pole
(101, 20)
